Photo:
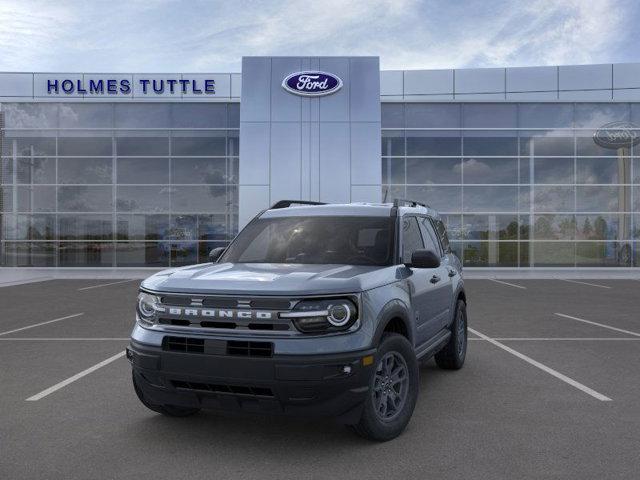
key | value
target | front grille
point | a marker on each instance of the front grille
(183, 344)
(250, 349)
(228, 389)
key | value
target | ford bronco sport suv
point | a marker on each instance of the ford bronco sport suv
(313, 309)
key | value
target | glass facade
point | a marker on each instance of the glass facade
(115, 184)
(519, 184)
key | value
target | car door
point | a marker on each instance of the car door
(422, 302)
(442, 295)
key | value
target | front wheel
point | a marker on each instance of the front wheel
(393, 390)
(452, 356)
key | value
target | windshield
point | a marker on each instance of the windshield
(326, 239)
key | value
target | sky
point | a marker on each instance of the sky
(212, 36)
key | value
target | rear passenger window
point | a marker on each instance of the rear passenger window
(442, 233)
(411, 238)
(430, 238)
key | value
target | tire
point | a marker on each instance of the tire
(385, 415)
(452, 356)
(168, 410)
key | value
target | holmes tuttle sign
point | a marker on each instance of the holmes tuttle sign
(312, 83)
(617, 135)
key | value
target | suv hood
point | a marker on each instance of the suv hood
(270, 279)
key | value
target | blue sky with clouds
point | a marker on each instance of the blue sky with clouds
(212, 36)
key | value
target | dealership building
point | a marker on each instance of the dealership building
(530, 167)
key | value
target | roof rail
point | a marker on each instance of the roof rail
(288, 203)
(401, 202)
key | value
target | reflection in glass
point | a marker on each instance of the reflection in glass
(489, 144)
(553, 254)
(85, 170)
(545, 115)
(490, 199)
(603, 254)
(79, 254)
(140, 254)
(212, 144)
(30, 146)
(141, 198)
(553, 170)
(433, 143)
(433, 115)
(199, 199)
(490, 254)
(30, 115)
(443, 199)
(392, 143)
(85, 227)
(490, 115)
(86, 115)
(35, 170)
(554, 227)
(36, 198)
(199, 170)
(490, 170)
(142, 227)
(90, 146)
(142, 115)
(199, 115)
(38, 254)
(434, 170)
(554, 199)
(132, 170)
(142, 146)
(603, 170)
(392, 115)
(602, 198)
(601, 226)
(35, 227)
(490, 227)
(85, 199)
(546, 144)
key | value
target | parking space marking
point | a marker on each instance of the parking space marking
(543, 367)
(629, 332)
(107, 284)
(550, 339)
(41, 323)
(72, 379)
(70, 339)
(584, 283)
(507, 283)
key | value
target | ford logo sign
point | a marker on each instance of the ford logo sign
(617, 135)
(312, 84)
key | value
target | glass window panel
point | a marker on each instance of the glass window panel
(490, 199)
(199, 199)
(545, 115)
(490, 227)
(35, 227)
(411, 238)
(85, 199)
(554, 227)
(79, 254)
(6, 170)
(636, 171)
(546, 144)
(525, 227)
(30, 115)
(36, 170)
(604, 199)
(132, 170)
(212, 227)
(29, 146)
(141, 115)
(40, 254)
(233, 170)
(604, 227)
(585, 145)
(491, 254)
(8, 226)
(443, 199)
(434, 170)
(636, 254)
(433, 143)
(457, 248)
(91, 146)
(85, 170)
(554, 199)
(233, 111)
(211, 144)
(6, 199)
(602, 170)
(233, 143)
(525, 170)
(183, 253)
(84, 115)
(199, 115)
(553, 170)
(454, 226)
(37, 199)
(204, 248)
(199, 170)
(490, 143)
(524, 199)
(183, 228)
(603, 254)
(393, 170)
(490, 170)
(432, 115)
(142, 227)
(636, 227)
(138, 198)
(392, 115)
(598, 114)
(553, 254)
(392, 143)
(389, 193)
(142, 146)
(490, 115)
(85, 227)
(139, 254)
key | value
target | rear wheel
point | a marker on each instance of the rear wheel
(169, 410)
(452, 356)
(393, 390)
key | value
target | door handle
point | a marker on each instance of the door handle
(452, 272)
(435, 279)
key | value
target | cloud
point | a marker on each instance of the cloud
(168, 35)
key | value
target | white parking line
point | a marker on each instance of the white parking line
(584, 283)
(544, 368)
(41, 323)
(69, 339)
(507, 283)
(77, 376)
(544, 339)
(599, 324)
(107, 284)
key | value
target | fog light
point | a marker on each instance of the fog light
(346, 369)
(368, 360)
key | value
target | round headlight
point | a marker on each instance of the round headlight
(146, 305)
(339, 314)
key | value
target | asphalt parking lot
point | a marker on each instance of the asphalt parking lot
(551, 389)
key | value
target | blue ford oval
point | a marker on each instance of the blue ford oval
(312, 83)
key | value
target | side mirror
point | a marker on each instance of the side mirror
(424, 259)
(215, 254)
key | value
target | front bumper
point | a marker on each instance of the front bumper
(334, 385)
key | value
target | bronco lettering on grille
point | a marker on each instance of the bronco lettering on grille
(220, 313)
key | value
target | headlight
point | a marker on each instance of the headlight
(147, 307)
(326, 315)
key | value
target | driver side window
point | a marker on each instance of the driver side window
(411, 238)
